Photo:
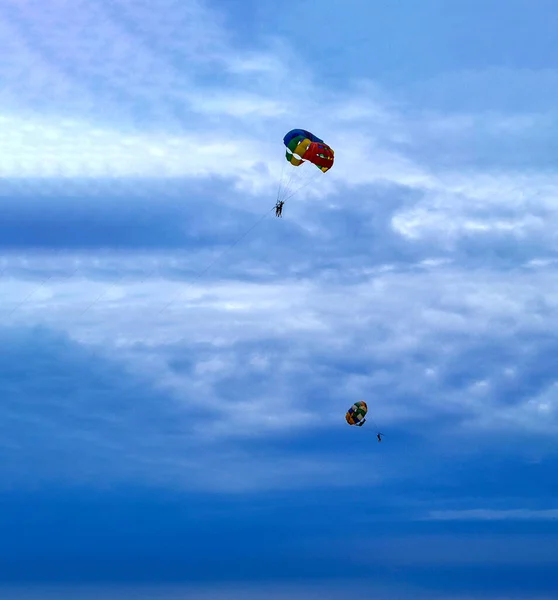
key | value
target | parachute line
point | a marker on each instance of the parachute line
(220, 256)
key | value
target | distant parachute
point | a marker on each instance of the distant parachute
(355, 415)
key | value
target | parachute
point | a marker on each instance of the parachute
(303, 147)
(355, 414)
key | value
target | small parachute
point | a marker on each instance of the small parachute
(302, 147)
(355, 415)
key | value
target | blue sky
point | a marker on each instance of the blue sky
(168, 432)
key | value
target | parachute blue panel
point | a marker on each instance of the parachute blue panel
(301, 133)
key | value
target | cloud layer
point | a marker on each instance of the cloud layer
(418, 273)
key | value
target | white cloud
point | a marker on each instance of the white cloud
(39, 148)
(386, 317)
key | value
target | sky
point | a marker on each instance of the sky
(176, 362)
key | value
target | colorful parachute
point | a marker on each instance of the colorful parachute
(355, 414)
(303, 145)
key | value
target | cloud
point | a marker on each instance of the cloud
(487, 89)
(468, 549)
(387, 202)
(131, 163)
(485, 514)
(424, 340)
(95, 58)
(70, 413)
